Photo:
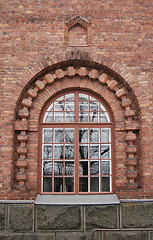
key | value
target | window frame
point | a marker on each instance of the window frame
(76, 125)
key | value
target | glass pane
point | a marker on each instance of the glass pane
(50, 108)
(69, 167)
(58, 151)
(105, 151)
(104, 117)
(47, 167)
(47, 152)
(58, 184)
(102, 108)
(69, 135)
(83, 117)
(58, 135)
(83, 151)
(94, 135)
(105, 167)
(105, 184)
(69, 116)
(60, 98)
(58, 117)
(83, 97)
(47, 184)
(69, 106)
(59, 106)
(69, 184)
(94, 184)
(94, 167)
(94, 106)
(48, 117)
(69, 97)
(83, 184)
(58, 168)
(83, 135)
(93, 99)
(83, 168)
(94, 151)
(94, 117)
(83, 106)
(69, 151)
(47, 135)
(105, 135)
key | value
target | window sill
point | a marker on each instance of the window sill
(77, 199)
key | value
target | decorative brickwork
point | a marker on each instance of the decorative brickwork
(69, 78)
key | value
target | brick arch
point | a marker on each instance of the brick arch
(83, 65)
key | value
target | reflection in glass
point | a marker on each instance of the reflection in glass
(94, 106)
(83, 135)
(105, 135)
(94, 117)
(47, 167)
(69, 184)
(83, 184)
(83, 152)
(47, 184)
(83, 117)
(94, 184)
(83, 106)
(69, 106)
(58, 168)
(58, 151)
(94, 135)
(69, 97)
(69, 135)
(83, 168)
(105, 151)
(48, 117)
(69, 116)
(58, 184)
(58, 135)
(94, 167)
(94, 151)
(105, 184)
(47, 135)
(104, 117)
(47, 152)
(59, 106)
(50, 108)
(69, 168)
(58, 117)
(83, 97)
(105, 167)
(69, 151)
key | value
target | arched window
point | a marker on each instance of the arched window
(76, 145)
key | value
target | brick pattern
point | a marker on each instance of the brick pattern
(34, 39)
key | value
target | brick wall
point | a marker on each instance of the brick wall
(32, 32)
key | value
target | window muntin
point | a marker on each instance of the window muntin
(76, 146)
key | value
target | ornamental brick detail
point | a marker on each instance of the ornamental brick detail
(103, 78)
(40, 85)
(23, 113)
(59, 73)
(27, 103)
(120, 93)
(32, 93)
(82, 72)
(48, 78)
(21, 125)
(112, 85)
(22, 137)
(93, 74)
(126, 103)
(71, 71)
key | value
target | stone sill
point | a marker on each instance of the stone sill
(77, 199)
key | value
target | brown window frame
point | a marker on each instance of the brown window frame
(76, 125)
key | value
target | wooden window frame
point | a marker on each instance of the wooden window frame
(76, 125)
